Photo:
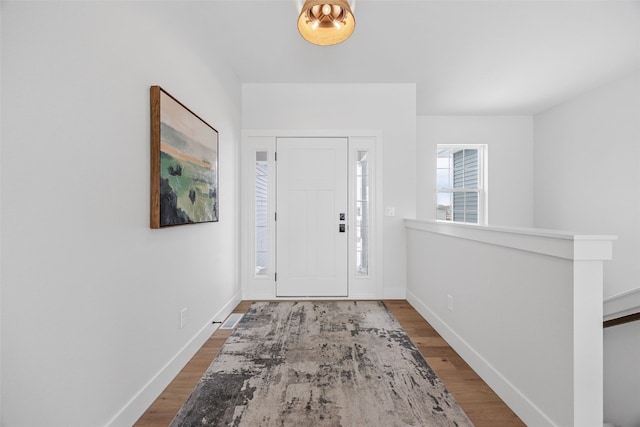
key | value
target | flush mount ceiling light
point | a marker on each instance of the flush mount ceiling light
(326, 22)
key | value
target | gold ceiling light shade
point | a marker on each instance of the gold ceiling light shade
(326, 22)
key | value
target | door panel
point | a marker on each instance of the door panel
(311, 251)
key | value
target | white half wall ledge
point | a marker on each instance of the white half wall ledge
(622, 304)
(518, 293)
(560, 244)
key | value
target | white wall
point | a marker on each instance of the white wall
(390, 108)
(621, 375)
(510, 162)
(526, 312)
(587, 170)
(1, 8)
(90, 294)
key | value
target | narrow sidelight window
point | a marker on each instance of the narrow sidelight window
(262, 229)
(362, 213)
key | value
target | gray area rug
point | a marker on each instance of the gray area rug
(329, 363)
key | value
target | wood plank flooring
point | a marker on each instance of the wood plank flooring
(480, 403)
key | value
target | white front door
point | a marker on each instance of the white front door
(311, 225)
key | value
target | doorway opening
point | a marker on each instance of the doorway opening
(311, 217)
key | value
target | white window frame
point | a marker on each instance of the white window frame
(369, 285)
(257, 286)
(483, 216)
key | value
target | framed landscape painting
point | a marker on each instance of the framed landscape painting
(184, 164)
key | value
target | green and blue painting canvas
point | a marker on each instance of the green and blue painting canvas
(188, 166)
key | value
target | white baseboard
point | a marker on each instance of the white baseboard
(139, 403)
(259, 297)
(394, 293)
(529, 413)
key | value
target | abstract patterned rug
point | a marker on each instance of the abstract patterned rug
(329, 363)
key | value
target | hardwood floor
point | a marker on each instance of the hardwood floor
(480, 403)
(167, 405)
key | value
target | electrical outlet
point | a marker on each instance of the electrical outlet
(449, 302)
(184, 317)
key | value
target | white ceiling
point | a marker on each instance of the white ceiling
(465, 57)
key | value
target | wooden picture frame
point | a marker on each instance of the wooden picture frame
(184, 164)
